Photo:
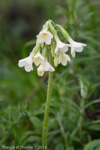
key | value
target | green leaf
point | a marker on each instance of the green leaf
(35, 121)
(94, 145)
(91, 103)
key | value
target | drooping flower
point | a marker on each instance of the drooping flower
(61, 47)
(48, 67)
(44, 36)
(38, 59)
(40, 70)
(63, 58)
(26, 63)
(45, 66)
(76, 47)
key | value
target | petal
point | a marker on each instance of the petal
(40, 70)
(40, 39)
(40, 73)
(78, 49)
(78, 44)
(60, 44)
(47, 32)
(51, 69)
(83, 44)
(56, 49)
(64, 49)
(38, 61)
(39, 55)
(44, 31)
(50, 35)
(62, 59)
(73, 54)
(28, 68)
(67, 57)
(29, 60)
(72, 50)
(64, 62)
(47, 40)
(48, 67)
(21, 63)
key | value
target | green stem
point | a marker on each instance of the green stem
(47, 107)
(80, 122)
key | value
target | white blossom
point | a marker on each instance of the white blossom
(63, 58)
(45, 66)
(38, 59)
(48, 67)
(61, 47)
(44, 36)
(40, 70)
(76, 47)
(26, 63)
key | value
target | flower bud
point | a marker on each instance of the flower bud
(52, 52)
(40, 70)
(56, 61)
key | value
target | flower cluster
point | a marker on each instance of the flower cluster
(48, 41)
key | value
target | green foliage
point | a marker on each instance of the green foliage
(94, 145)
(74, 122)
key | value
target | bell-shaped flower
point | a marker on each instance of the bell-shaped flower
(61, 47)
(48, 67)
(44, 36)
(45, 66)
(63, 58)
(40, 70)
(76, 47)
(26, 63)
(38, 59)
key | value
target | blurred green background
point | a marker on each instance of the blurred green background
(74, 122)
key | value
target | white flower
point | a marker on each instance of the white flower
(26, 63)
(61, 47)
(38, 59)
(44, 36)
(63, 58)
(45, 66)
(76, 47)
(48, 67)
(40, 70)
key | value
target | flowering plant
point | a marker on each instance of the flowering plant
(48, 53)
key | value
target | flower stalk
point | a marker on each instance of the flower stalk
(64, 32)
(47, 107)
